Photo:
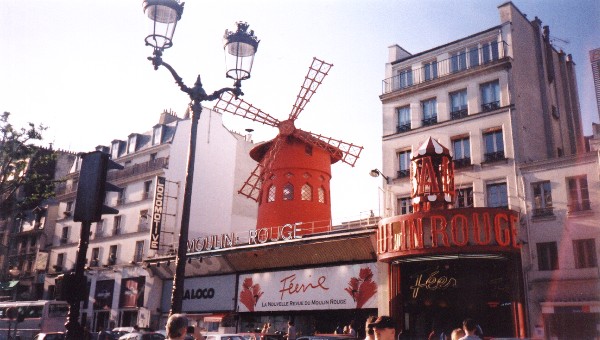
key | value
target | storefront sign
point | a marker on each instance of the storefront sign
(157, 212)
(132, 292)
(428, 232)
(340, 287)
(254, 236)
(432, 282)
(203, 294)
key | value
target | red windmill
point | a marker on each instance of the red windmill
(291, 181)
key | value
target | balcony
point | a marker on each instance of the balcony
(403, 128)
(403, 173)
(462, 162)
(458, 114)
(429, 121)
(543, 212)
(491, 106)
(444, 68)
(491, 157)
(139, 169)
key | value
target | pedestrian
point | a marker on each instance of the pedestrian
(264, 329)
(351, 330)
(346, 331)
(470, 328)
(176, 327)
(338, 329)
(291, 331)
(369, 331)
(385, 328)
(457, 333)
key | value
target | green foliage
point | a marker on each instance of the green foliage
(26, 170)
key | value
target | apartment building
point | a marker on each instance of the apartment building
(500, 100)
(121, 291)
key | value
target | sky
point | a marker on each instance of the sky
(81, 69)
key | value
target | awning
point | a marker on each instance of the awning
(214, 318)
(5, 285)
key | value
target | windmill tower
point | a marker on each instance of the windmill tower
(291, 180)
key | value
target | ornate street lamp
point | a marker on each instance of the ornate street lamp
(240, 47)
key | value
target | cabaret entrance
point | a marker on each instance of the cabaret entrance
(447, 263)
(438, 293)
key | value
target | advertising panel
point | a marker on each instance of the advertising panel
(339, 287)
(157, 212)
(104, 294)
(132, 292)
(203, 294)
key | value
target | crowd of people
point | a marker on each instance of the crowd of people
(385, 328)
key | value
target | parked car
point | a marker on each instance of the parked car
(262, 336)
(224, 337)
(120, 331)
(142, 336)
(50, 336)
(326, 337)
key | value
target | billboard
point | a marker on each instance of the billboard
(203, 294)
(157, 212)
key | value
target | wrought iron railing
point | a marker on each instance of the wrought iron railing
(443, 68)
(490, 157)
(458, 114)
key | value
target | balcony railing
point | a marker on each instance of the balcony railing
(458, 114)
(446, 67)
(493, 156)
(403, 173)
(430, 121)
(139, 169)
(402, 128)
(540, 212)
(462, 162)
(490, 106)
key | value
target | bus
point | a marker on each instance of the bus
(37, 316)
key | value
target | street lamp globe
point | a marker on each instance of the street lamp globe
(240, 48)
(164, 15)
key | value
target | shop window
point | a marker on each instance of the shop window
(271, 195)
(585, 253)
(306, 192)
(288, 192)
(404, 206)
(542, 199)
(547, 256)
(321, 193)
(578, 199)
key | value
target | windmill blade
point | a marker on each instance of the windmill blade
(252, 186)
(349, 152)
(228, 103)
(316, 73)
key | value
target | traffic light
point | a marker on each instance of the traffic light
(92, 187)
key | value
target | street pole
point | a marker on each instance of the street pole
(74, 328)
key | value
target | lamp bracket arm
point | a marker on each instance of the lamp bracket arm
(157, 62)
(236, 91)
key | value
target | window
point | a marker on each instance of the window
(69, 208)
(585, 253)
(458, 104)
(147, 190)
(131, 143)
(404, 206)
(458, 61)
(494, 146)
(138, 256)
(489, 51)
(430, 70)
(60, 261)
(462, 152)
(473, 56)
(403, 119)
(547, 256)
(95, 262)
(288, 192)
(117, 225)
(542, 198)
(156, 135)
(153, 158)
(64, 236)
(403, 164)
(114, 151)
(490, 96)
(497, 196)
(112, 255)
(579, 198)
(143, 222)
(306, 192)
(321, 193)
(271, 195)
(429, 111)
(404, 78)
(464, 198)
(100, 228)
(121, 196)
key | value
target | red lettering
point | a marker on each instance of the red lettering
(459, 225)
(428, 182)
(416, 234)
(486, 229)
(435, 231)
(502, 233)
(293, 288)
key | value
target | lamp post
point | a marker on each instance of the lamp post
(386, 193)
(240, 47)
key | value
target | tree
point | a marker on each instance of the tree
(26, 170)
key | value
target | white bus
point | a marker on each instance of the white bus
(38, 316)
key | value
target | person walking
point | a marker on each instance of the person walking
(351, 330)
(369, 331)
(385, 328)
(176, 327)
(291, 331)
(470, 328)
